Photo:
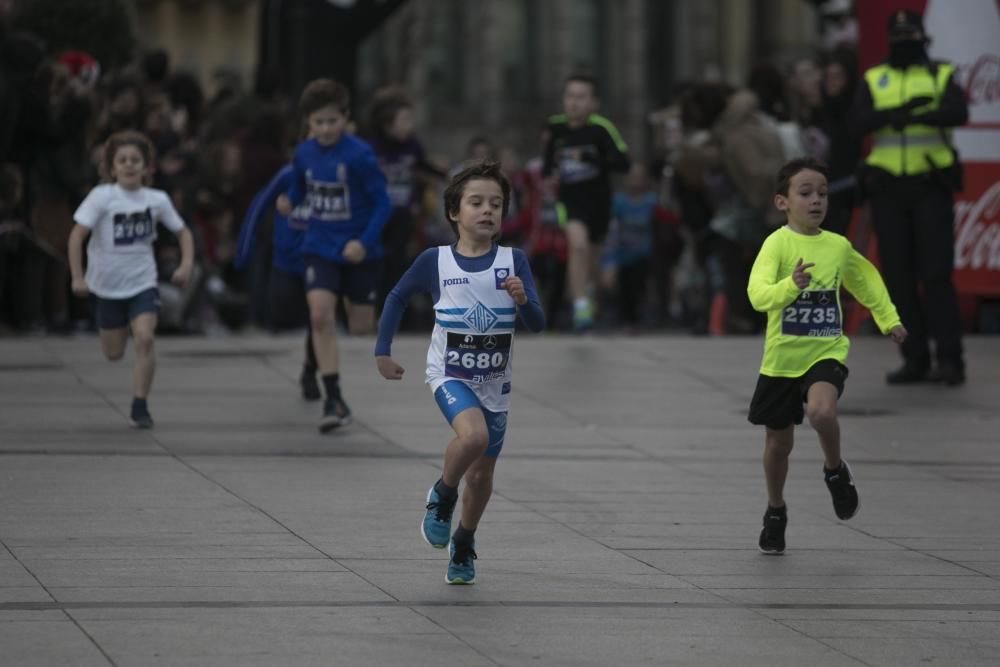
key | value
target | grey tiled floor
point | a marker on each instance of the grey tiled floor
(622, 530)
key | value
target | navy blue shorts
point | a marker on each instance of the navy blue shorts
(454, 397)
(357, 282)
(117, 313)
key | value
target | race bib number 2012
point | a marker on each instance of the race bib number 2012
(814, 313)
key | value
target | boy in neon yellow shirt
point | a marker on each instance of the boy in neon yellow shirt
(796, 280)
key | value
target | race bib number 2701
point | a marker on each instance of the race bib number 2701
(814, 313)
(130, 228)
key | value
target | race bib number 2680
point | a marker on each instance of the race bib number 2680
(477, 358)
(814, 313)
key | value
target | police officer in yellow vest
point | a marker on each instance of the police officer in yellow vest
(909, 105)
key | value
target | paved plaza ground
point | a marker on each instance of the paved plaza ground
(622, 531)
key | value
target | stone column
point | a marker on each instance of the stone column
(634, 96)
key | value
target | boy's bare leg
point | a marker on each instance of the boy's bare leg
(478, 489)
(821, 409)
(143, 329)
(470, 441)
(777, 447)
(360, 318)
(322, 314)
(579, 260)
(113, 343)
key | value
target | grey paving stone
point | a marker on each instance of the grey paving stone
(267, 637)
(45, 638)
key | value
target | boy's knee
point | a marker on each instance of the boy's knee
(143, 343)
(478, 440)
(821, 416)
(321, 320)
(779, 443)
(113, 354)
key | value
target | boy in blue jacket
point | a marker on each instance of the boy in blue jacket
(338, 178)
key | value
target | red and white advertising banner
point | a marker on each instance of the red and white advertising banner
(965, 33)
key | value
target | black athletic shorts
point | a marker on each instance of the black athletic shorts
(287, 293)
(777, 402)
(593, 212)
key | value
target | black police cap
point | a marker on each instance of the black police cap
(906, 23)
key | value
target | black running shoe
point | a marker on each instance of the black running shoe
(948, 373)
(140, 417)
(772, 536)
(842, 490)
(310, 388)
(335, 414)
(908, 373)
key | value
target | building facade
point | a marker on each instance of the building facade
(495, 67)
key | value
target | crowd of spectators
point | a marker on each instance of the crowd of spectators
(685, 230)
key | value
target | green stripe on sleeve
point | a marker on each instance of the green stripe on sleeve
(610, 129)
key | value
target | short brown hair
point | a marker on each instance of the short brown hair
(385, 104)
(321, 93)
(117, 141)
(795, 166)
(487, 170)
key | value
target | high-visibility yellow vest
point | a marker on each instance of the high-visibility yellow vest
(914, 149)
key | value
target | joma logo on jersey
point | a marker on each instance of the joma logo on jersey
(480, 318)
(454, 281)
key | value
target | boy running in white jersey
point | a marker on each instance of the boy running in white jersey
(478, 288)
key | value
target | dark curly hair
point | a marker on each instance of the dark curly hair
(126, 138)
(487, 170)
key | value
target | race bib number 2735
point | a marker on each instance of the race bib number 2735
(814, 313)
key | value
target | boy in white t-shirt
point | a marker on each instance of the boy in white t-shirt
(121, 217)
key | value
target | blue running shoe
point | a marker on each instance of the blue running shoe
(436, 526)
(462, 565)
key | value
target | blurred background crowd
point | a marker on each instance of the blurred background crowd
(711, 97)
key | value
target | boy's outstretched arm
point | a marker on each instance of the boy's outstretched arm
(77, 236)
(259, 207)
(183, 272)
(862, 279)
(422, 276)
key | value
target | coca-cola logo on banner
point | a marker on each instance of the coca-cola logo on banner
(981, 79)
(977, 232)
